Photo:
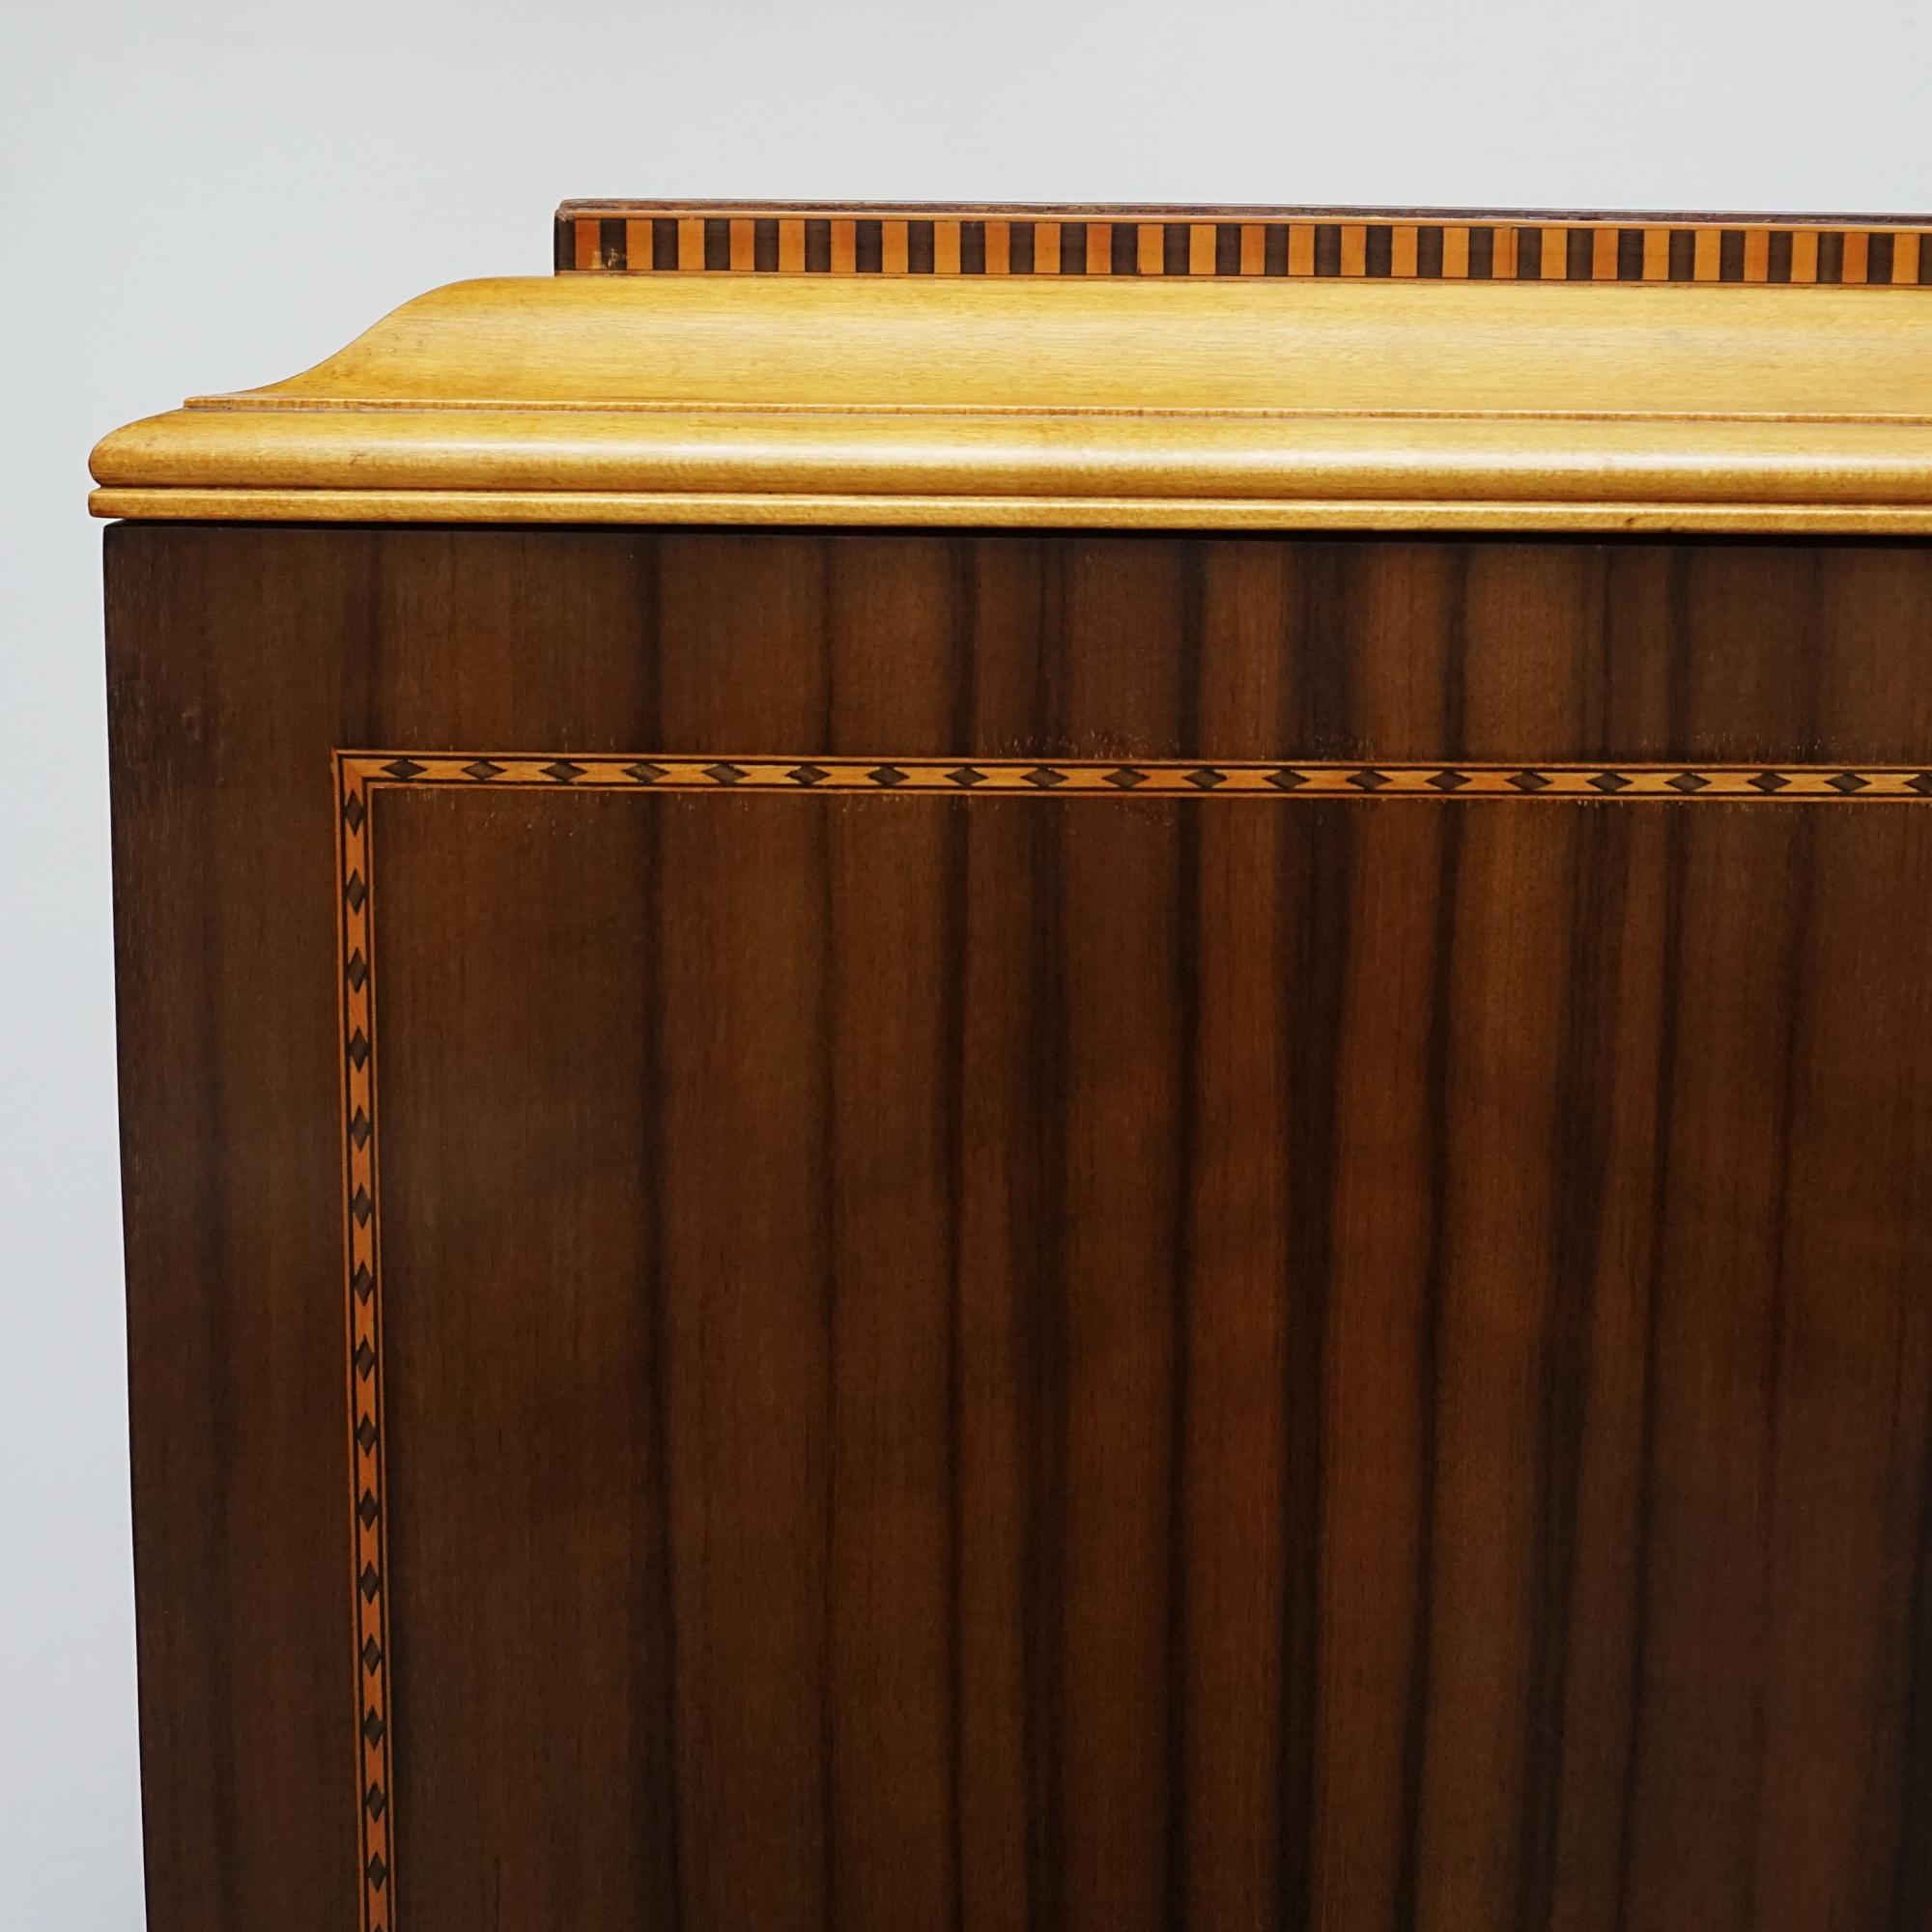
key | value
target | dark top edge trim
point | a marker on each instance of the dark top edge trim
(1241, 212)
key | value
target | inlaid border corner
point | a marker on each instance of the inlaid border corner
(362, 777)
(369, 1565)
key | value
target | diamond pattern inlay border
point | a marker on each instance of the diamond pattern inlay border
(361, 775)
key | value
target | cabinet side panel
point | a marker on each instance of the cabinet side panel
(223, 673)
(1067, 1351)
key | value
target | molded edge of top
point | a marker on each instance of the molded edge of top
(1138, 402)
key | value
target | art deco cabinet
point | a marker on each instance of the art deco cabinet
(1042, 1068)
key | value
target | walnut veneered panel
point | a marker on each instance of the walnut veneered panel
(966, 1231)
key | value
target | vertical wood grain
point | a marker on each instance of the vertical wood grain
(994, 1363)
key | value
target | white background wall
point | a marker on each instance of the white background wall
(214, 193)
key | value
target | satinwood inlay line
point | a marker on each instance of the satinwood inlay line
(1157, 777)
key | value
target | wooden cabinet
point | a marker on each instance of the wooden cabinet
(1058, 1069)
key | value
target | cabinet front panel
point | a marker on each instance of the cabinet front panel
(896, 1232)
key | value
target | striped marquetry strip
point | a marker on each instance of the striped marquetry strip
(1076, 778)
(652, 238)
(362, 776)
(369, 1565)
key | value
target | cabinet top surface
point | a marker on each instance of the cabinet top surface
(1130, 368)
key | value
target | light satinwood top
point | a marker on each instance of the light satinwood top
(1180, 401)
